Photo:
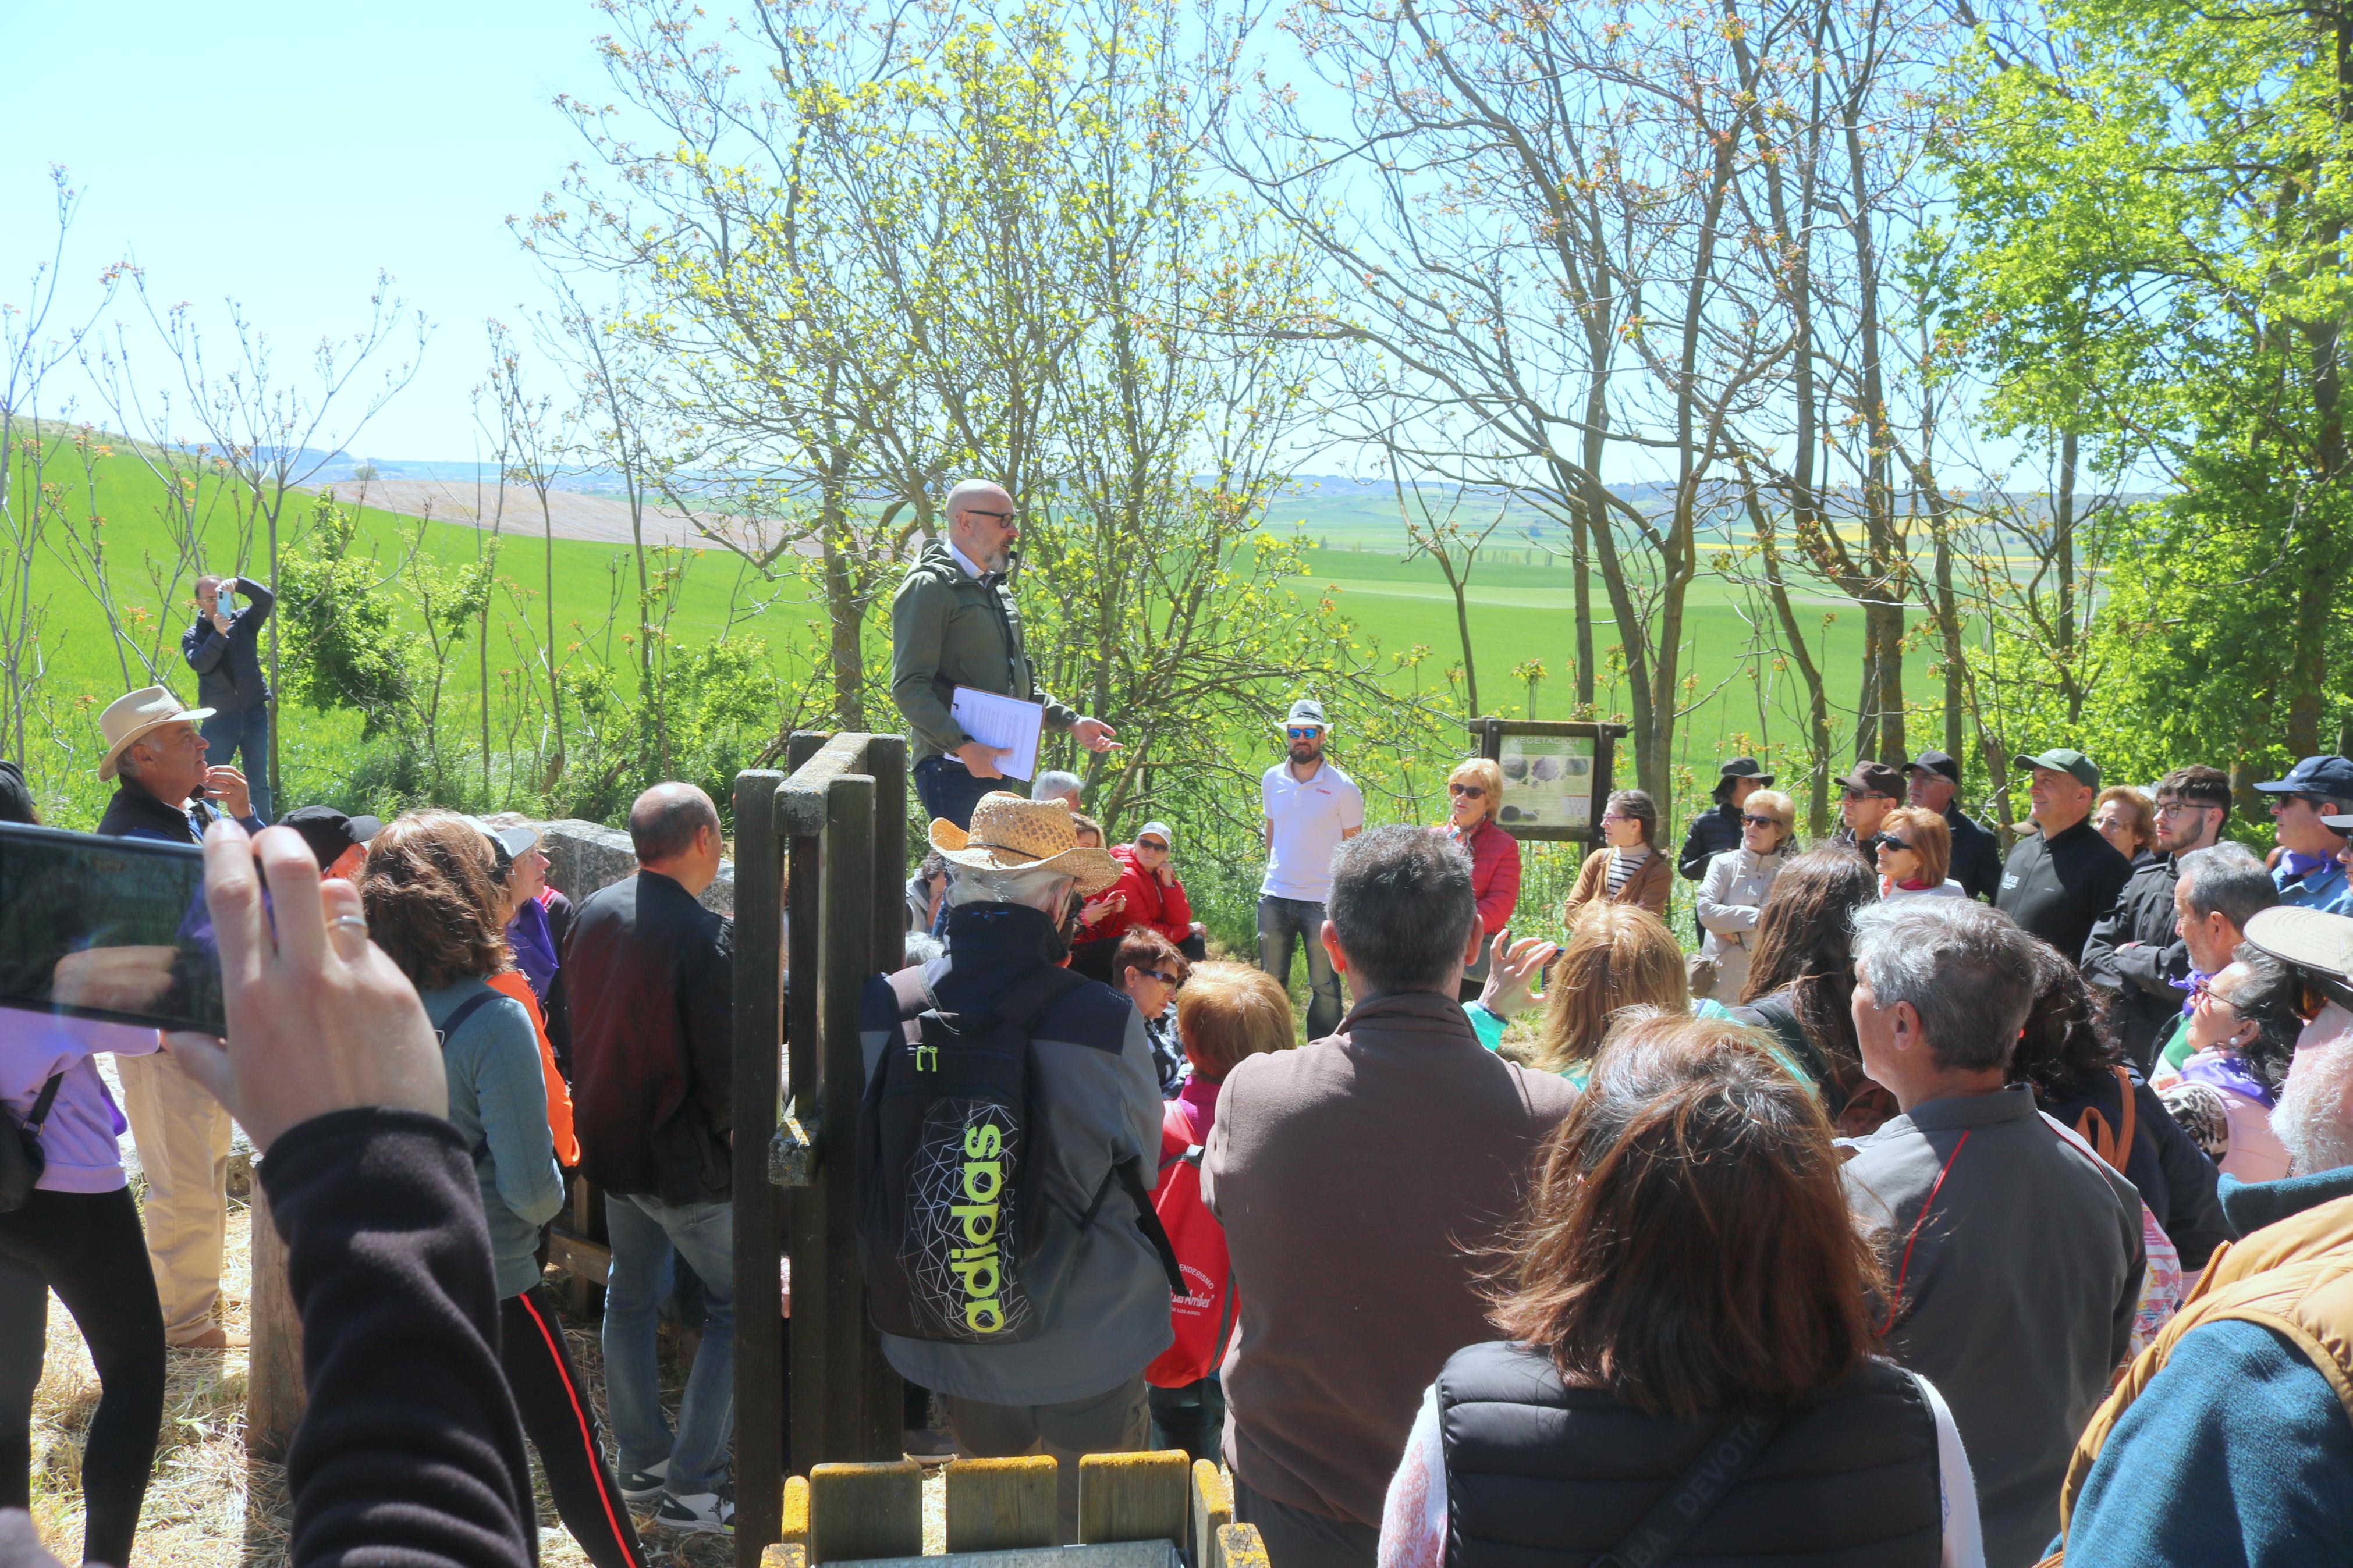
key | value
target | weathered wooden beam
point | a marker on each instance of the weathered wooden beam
(1134, 1497)
(1213, 1509)
(274, 1394)
(1000, 1505)
(865, 1510)
(757, 1092)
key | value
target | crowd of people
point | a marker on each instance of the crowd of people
(1943, 1206)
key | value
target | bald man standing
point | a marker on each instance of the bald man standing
(952, 623)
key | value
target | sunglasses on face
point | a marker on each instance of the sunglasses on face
(1615, 816)
(1299, 734)
(1170, 981)
(1471, 791)
(1889, 841)
(1148, 847)
(1759, 822)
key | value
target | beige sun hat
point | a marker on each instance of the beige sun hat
(1010, 834)
(2305, 938)
(126, 719)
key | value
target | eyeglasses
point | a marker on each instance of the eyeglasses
(1297, 733)
(1889, 841)
(1618, 817)
(1151, 846)
(2176, 807)
(976, 512)
(1471, 791)
(1761, 821)
(1170, 981)
(2204, 991)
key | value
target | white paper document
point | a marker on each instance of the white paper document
(1008, 721)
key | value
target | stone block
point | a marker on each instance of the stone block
(583, 856)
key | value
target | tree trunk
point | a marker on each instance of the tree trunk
(845, 616)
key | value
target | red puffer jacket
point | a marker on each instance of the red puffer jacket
(1148, 903)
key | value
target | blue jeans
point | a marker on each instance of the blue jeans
(948, 791)
(643, 1230)
(245, 736)
(1281, 921)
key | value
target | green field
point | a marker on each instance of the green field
(1520, 599)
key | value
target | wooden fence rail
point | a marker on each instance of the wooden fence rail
(1135, 1511)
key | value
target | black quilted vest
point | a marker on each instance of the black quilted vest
(1539, 1475)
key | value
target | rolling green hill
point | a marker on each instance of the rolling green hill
(1520, 602)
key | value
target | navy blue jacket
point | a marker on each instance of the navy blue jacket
(1977, 854)
(228, 664)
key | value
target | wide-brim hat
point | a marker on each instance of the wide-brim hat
(1010, 834)
(1744, 768)
(128, 717)
(2306, 939)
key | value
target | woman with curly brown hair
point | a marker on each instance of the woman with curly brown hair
(434, 905)
(1689, 1365)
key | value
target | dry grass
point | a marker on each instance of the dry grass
(210, 1506)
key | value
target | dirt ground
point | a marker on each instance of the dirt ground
(574, 514)
(211, 1506)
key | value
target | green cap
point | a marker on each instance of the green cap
(2066, 760)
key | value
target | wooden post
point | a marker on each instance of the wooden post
(274, 1395)
(854, 1430)
(758, 1090)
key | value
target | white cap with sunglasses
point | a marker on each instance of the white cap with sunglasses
(1156, 829)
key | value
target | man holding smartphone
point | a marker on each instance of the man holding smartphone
(224, 647)
(165, 791)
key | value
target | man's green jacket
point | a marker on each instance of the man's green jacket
(949, 629)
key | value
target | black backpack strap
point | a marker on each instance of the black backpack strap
(1130, 1176)
(40, 1111)
(464, 1011)
(1726, 1456)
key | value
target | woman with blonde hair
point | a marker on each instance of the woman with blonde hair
(1475, 793)
(1617, 957)
(1915, 850)
(1737, 884)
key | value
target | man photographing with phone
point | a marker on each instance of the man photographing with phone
(165, 791)
(224, 647)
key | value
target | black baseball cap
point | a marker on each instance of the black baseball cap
(330, 834)
(1938, 762)
(1874, 778)
(2329, 778)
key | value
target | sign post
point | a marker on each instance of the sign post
(1557, 775)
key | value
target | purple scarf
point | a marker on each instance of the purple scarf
(2223, 1070)
(535, 947)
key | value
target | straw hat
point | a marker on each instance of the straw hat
(127, 719)
(1010, 834)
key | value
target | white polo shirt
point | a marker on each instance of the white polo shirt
(1309, 821)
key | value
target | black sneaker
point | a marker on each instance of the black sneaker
(699, 1514)
(644, 1486)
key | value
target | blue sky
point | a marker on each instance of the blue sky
(284, 152)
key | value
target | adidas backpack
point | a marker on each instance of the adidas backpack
(948, 1160)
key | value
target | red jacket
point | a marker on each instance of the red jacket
(1494, 872)
(1150, 904)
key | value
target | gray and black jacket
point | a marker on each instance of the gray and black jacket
(1102, 1294)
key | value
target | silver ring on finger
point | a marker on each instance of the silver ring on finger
(350, 922)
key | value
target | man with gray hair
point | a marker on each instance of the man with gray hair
(2013, 1256)
(2221, 889)
(954, 622)
(1053, 783)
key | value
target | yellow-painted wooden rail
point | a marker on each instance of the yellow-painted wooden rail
(1135, 1511)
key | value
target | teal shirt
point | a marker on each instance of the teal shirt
(1490, 1030)
(498, 1103)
